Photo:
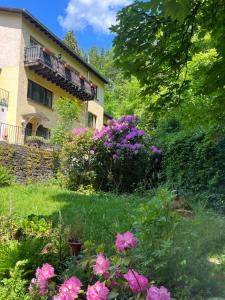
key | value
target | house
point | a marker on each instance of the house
(36, 68)
(106, 117)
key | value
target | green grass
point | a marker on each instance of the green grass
(102, 215)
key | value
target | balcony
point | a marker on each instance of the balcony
(4, 98)
(52, 68)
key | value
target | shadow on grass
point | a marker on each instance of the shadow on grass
(101, 216)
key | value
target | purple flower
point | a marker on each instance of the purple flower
(115, 156)
(141, 132)
(155, 149)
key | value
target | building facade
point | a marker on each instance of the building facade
(37, 68)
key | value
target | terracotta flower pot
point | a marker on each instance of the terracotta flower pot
(75, 248)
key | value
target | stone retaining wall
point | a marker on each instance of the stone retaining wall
(27, 163)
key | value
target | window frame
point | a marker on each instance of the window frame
(47, 102)
(94, 120)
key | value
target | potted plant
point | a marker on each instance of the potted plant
(74, 239)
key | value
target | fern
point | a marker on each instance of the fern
(5, 177)
(15, 287)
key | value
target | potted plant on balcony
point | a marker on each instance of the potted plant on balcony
(74, 239)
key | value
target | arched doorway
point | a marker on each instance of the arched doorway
(29, 129)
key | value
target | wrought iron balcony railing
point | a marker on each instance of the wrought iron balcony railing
(19, 135)
(52, 68)
(4, 97)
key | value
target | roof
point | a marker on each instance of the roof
(27, 15)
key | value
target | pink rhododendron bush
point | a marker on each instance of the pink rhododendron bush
(108, 278)
(120, 156)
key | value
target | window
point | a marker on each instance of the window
(39, 94)
(92, 120)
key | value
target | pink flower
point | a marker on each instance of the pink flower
(101, 265)
(98, 291)
(155, 293)
(125, 241)
(43, 274)
(79, 131)
(69, 290)
(137, 282)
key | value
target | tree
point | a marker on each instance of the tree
(71, 41)
(68, 111)
(157, 39)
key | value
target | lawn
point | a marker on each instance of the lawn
(102, 215)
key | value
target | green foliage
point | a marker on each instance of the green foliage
(159, 41)
(5, 177)
(71, 41)
(123, 96)
(175, 251)
(86, 161)
(102, 215)
(15, 287)
(32, 238)
(194, 162)
(68, 111)
(77, 162)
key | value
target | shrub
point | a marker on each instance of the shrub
(176, 250)
(68, 110)
(107, 278)
(118, 157)
(5, 177)
(15, 287)
(194, 162)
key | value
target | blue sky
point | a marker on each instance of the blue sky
(89, 18)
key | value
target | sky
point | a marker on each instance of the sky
(90, 19)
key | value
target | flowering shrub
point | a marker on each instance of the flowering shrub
(109, 278)
(69, 290)
(120, 156)
(40, 282)
(125, 241)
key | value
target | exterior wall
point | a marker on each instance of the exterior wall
(15, 33)
(10, 43)
(29, 106)
(31, 31)
(97, 110)
(29, 163)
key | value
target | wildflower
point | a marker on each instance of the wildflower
(125, 241)
(155, 293)
(137, 282)
(98, 291)
(69, 290)
(102, 265)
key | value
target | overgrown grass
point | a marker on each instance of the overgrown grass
(101, 215)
